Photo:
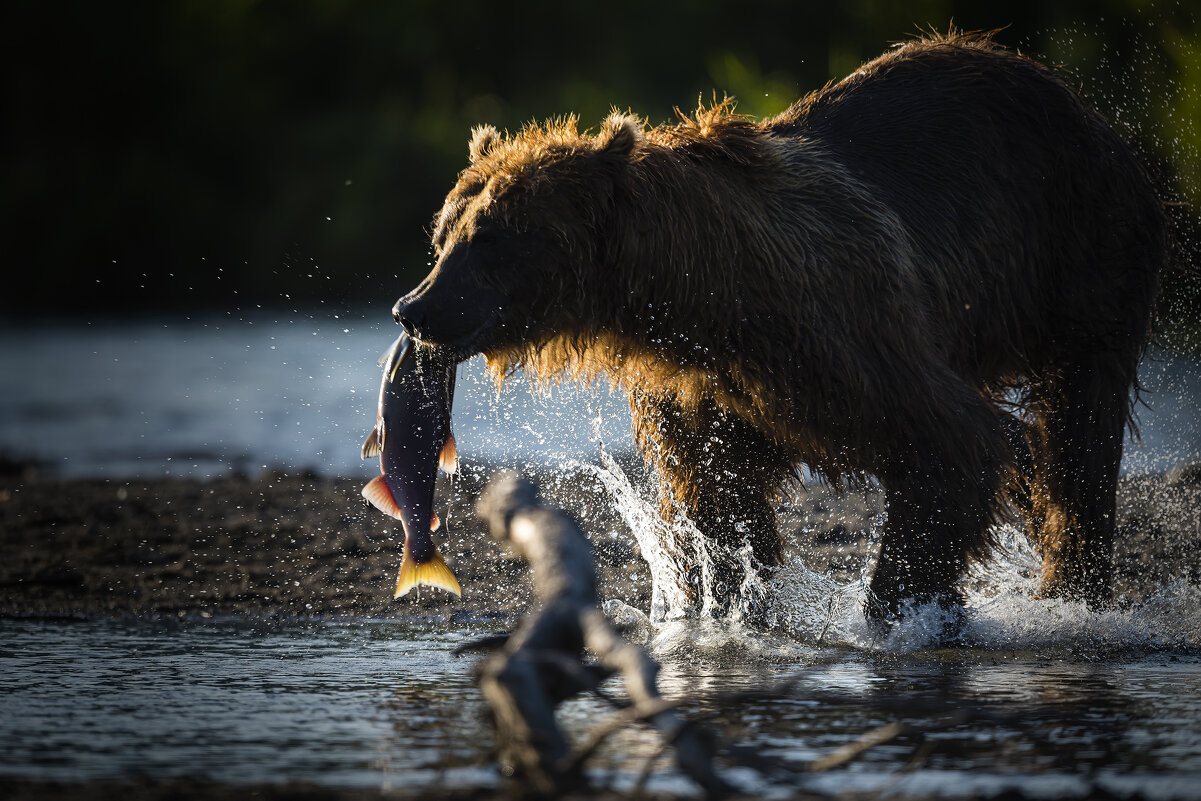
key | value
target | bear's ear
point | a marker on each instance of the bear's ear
(619, 134)
(483, 139)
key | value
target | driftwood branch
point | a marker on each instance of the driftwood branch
(540, 665)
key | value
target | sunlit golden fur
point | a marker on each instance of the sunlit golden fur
(721, 360)
(854, 285)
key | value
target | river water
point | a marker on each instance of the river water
(1055, 700)
(385, 704)
(204, 396)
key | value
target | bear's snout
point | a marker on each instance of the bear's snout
(462, 321)
(411, 315)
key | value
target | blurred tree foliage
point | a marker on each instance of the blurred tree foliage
(238, 153)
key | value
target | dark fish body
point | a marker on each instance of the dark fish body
(413, 439)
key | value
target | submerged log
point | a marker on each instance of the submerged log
(540, 664)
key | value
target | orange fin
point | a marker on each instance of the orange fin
(448, 460)
(434, 573)
(380, 495)
(434, 521)
(372, 445)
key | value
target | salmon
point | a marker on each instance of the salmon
(413, 440)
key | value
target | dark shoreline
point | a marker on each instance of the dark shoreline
(276, 546)
(298, 546)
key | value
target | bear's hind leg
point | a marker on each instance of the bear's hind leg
(1082, 412)
(1018, 487)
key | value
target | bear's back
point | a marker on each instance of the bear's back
(1000, 172)
(933, 100)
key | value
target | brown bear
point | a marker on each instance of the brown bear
(938, 272)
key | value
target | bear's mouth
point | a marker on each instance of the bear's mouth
(459, 323)
(474, 343)
(479, 340)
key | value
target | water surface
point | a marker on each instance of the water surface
(297, 391)
(385, 704)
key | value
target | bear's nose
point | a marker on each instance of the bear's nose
(409, 317)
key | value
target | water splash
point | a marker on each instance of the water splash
(1004, 612)
(682, 563)
(669, 572)
(814, 607)
(807, 608)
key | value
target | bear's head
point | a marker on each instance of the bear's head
(521, 240)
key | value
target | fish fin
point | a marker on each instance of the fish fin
(434, 521)
(372, 445)
(448, 460)
(380, 494)
(434, 573)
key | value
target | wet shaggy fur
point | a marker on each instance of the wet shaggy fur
(938, 272)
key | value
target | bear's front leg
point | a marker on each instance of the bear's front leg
(722, 474)
(922, 552)
(942, 494)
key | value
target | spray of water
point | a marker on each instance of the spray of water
(682, 564)
(1005, 611)
(670, 597)
(1002, 609)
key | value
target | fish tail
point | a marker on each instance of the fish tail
(434, 573)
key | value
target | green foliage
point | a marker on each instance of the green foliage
(259, 152)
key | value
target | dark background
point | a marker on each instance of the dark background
(235, 154)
